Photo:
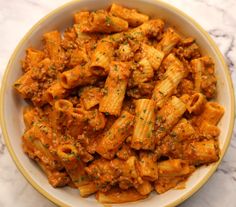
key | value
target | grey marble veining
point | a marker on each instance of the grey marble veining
(216, 16)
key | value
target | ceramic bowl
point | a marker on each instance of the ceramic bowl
(12, 105)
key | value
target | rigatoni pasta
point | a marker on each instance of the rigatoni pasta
(55, 92)
(174, 74)
(130, 15)
(54, 50)
(119, 106)
(101, 57)
(101, 21)
(78, 76)
(32, 58)
(168, 116)
(169, 40)
(115, 136)
(143, 135)
(115, 87)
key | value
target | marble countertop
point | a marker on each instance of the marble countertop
(216, 16)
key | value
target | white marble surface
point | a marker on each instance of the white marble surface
(216, 16)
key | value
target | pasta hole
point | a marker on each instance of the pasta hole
(97, 70)
(182, 164)
(50, 97)
(67, 150)
(194, 100)
(63, 105)
(64, 80)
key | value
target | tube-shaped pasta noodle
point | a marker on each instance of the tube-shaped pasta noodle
(75, 119)
(208, 130)
(145, 188)
(81, 17)
(169, 40)
(61, 113)
(175, 167)
(164, 184)
(63, 105)
(183, 130)
(119, 196)
(77, 76)
(148, 166)
(172, 144)
(130, 15)
(172, 77)
(78, 56)
(212, 113)
(125, 152)
(168, 116)
(185, 98)
(143, 73)
(151, 28)
(124, 52)
(143, 137)
(203, 75)
(55, 178)
(32, 85)
(75, 122)
(33, 57)
(30, 115)
(153, 55)
(115, 88)
(101, 57)
(196, 103)
(87, 189)
(202, 152)
(55, 92)
(130, 170)
(90, 97)
(25, 85)
(115, 136)
(101, 21)
(52, 46)
(74, 166)
(38, 140)
(197, 67)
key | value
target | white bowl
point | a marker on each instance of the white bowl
(12, 105)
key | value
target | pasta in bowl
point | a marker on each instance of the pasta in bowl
(120, 105)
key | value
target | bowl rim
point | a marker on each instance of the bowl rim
(54, 199)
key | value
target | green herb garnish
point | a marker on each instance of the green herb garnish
(108, 21)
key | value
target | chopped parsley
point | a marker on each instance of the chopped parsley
(108, 21)
(46, 145)
(123, 116)
(161, 93)
(162, 129)
(159, 118)
(115, 68)
(173, 134)
(31, 138)
(105, 91)
(52, 67)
